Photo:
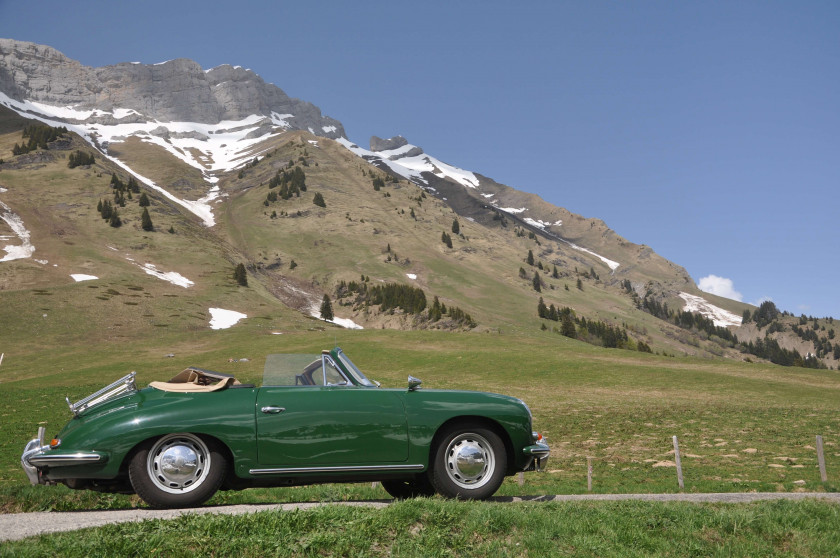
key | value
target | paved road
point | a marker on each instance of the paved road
(21, 525)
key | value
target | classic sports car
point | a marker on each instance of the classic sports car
(316, 419)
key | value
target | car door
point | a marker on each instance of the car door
(332, 424)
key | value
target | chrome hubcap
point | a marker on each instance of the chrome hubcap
(177, 462)
(470, 461)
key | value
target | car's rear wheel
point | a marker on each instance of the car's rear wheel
(177, 470)
(469, 462)
(414, 488)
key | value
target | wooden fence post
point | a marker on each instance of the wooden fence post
(589, 474)
(821, 459)
(679, 463)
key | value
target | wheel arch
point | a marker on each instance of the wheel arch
(129, 455)
(481, 421)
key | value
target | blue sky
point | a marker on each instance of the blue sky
(709, 131)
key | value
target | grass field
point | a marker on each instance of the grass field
(433, 527)
(742, 427)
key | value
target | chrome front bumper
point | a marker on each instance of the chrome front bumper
(37, 454)
(539, 452)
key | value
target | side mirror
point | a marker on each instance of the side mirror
(413, 383)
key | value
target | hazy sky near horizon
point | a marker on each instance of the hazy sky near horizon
(709, 131)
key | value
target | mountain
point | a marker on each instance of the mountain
(233, 170)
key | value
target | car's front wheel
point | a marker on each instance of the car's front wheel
(177, 470)
(469, 462)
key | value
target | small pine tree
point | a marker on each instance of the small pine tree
(240, 275)
(537, 282)
(319, 200)
(413, 216)
(579, 284)
(115, 220)
(567, 326)
(530, 258)
(456, 227)
(146, 220)
(144, 200)
(555, 274)
(326, 309)
(446, 239)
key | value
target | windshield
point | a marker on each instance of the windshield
(302, 370)
(360, 378)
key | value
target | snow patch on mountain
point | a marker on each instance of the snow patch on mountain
(719, 316)
(224, 319)
(13, 220)
(169, 276)
(210, 148)
(613, 265)
(410, 162)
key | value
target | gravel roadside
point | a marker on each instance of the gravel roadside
(21, 525)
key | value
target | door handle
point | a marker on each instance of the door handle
(270, 410)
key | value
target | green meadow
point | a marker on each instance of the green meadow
(741, 426)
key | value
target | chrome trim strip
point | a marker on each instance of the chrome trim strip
(64, 459)
(338, 469)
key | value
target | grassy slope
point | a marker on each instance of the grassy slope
(621, 408)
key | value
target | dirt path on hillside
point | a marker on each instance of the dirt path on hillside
(21, 525)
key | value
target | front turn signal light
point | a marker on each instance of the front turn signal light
(55, 442)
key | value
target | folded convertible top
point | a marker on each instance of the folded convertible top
(196, 380)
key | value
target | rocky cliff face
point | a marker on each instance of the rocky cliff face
(177, 90)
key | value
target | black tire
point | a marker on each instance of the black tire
(414, 488)
(177, 470)
(469, 463)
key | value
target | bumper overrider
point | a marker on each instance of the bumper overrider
(38, 457)
(539, 453)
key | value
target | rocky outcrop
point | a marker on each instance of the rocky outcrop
(178, 90)
(380, 145)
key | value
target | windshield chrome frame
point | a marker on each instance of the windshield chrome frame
(353, 370)
(337, 368)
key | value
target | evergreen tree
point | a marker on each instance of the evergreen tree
(240, 275)
(146, 221)
(115, 220)
(555, 274)
(319, 200)
(542, 310)
(106, 210)
(456, 227)
(435, 312)
(79, 158)
(567, 326)
(537, 283)
(326, 309)
(413, 216)
(144, 200)
(530, 258)
(446, 239)
(579, 284)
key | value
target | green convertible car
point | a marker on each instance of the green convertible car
(316, 419)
